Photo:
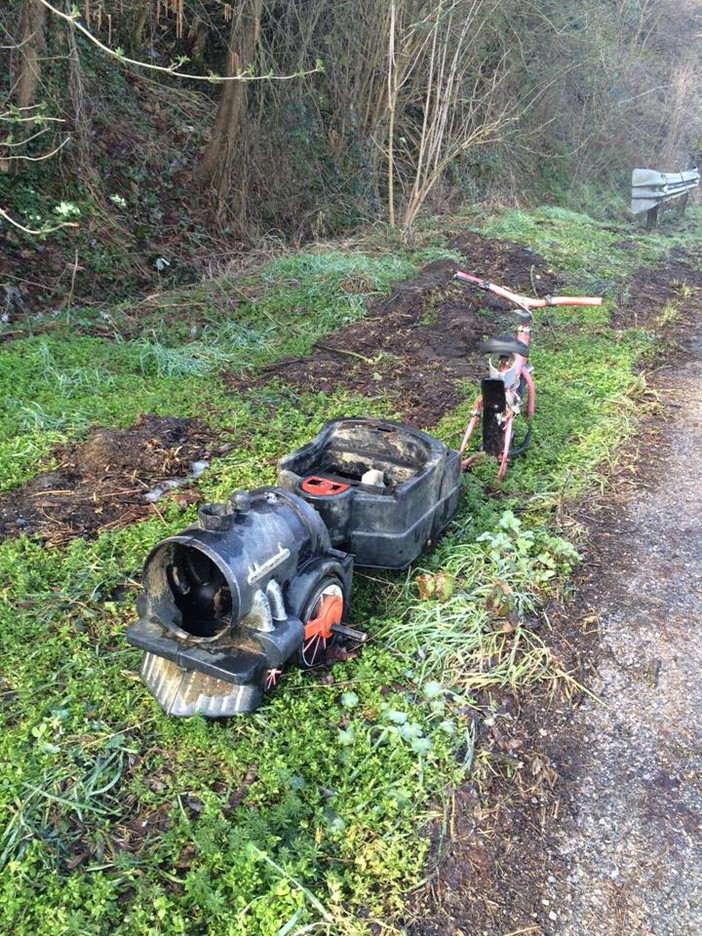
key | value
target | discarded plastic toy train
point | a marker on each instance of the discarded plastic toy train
(266, 578)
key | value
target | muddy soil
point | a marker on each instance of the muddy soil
(419, 349)
(112, 479)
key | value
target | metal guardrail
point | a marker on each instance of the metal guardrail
(651, 189)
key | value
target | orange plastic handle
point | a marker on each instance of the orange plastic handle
(323, 487)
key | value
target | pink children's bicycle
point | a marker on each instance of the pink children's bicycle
(509, 389)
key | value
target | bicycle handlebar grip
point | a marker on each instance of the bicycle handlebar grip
(575, 300)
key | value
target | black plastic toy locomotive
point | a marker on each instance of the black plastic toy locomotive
(266, 578)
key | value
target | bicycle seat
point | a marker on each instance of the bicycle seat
(505, 346)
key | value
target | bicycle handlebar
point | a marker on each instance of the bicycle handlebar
(525, 301)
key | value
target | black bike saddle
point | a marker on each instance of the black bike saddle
(505, 346)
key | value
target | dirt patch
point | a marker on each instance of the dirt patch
(419, 347)
(114, 478)
(676, 283)
(491, 871)
(518, 267)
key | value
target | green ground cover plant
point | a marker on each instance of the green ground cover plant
(311, 815)
(595, 256)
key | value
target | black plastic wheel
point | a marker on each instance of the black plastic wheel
(493, 432)
(324, 605)
(494, 409)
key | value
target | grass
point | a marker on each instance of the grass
(595, 256)
(472, 636)
(63, 382)
(309, 816)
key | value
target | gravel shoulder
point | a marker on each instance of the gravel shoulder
(630, 841)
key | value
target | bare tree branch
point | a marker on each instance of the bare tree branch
(72, 18)
(39, 233)
(24, 142)
(34, 158)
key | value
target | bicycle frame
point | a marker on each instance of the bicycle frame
(502, 395)
(504, 389)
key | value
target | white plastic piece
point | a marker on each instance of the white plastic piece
(373, 477)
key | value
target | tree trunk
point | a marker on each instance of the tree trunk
(32, 50)
(82, 129)
(138, 25)
(224, 162)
